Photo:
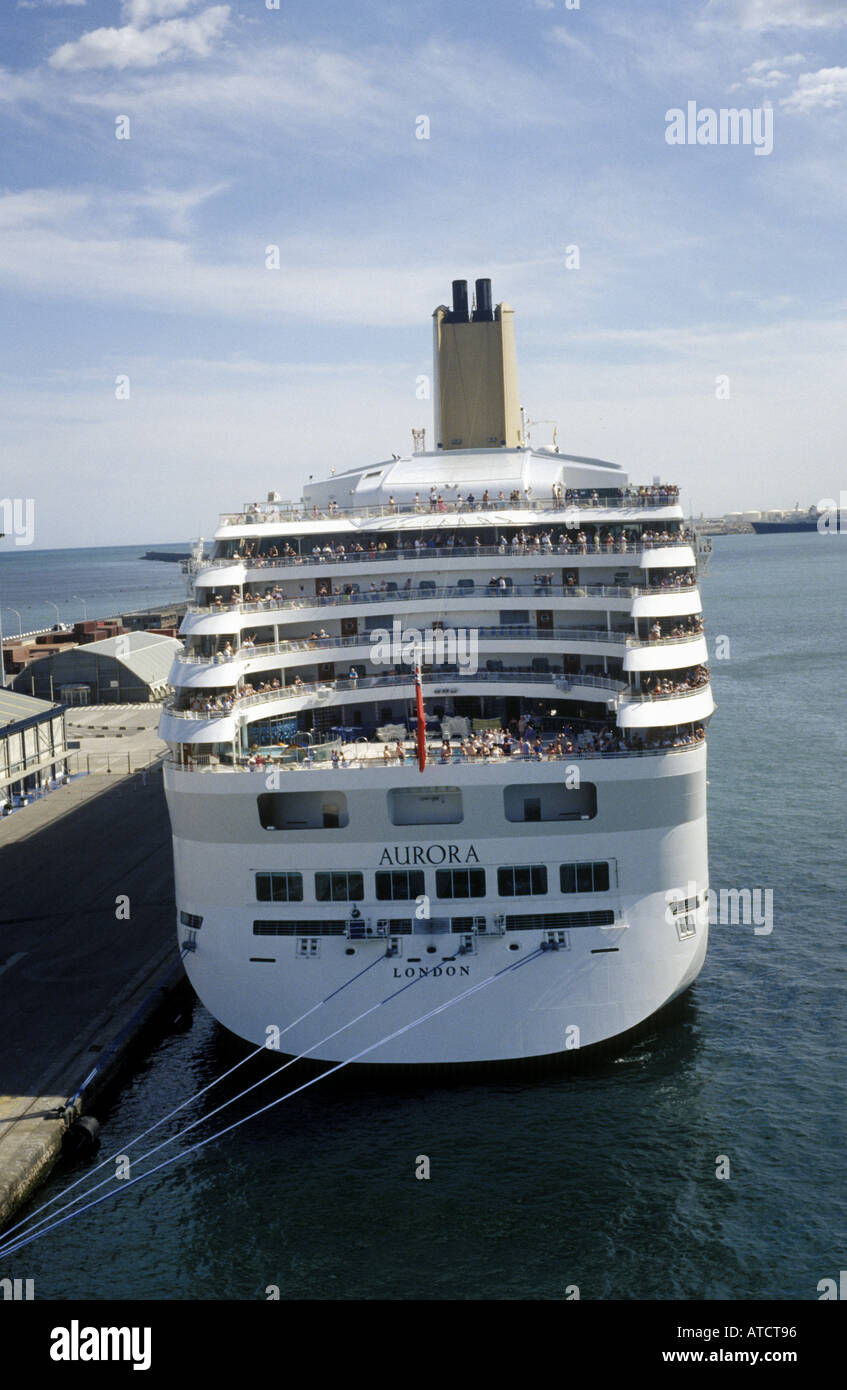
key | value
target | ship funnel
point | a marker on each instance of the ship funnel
(483, 313)
(460, 302)
(476, 402)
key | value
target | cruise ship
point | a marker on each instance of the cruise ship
(437, 745)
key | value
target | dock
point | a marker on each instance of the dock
(74, 967)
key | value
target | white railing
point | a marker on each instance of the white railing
(418, 594)
(366, 639)
(557, 681)
(442, 553)
(208, 763)
(260, 513)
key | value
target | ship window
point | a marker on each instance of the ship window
(515, 617)
(302, 810)
(521, 880)
(466, 586)
(433, 806)
(584, 878)
(460, 883)
(399, 885)
(549, 801)
(279, 888)
(339, 887)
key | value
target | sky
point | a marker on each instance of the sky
(155, 370)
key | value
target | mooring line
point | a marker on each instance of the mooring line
(118, 1154)
(202, 1119)
(33, 1235)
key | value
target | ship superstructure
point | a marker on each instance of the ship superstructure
(342, 871)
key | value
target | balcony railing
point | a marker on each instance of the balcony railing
(444, 553)
(350, 758)
(217, 707)
(418, 594)
(259, 513)
(364, 639)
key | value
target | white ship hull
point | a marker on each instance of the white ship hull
(528, 993)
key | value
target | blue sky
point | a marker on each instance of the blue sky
(295, 127)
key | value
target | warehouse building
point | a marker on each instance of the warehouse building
(131, 668)
(33, 748)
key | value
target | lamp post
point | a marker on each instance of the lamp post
(84, 606)
(50, 604)
(20, 620)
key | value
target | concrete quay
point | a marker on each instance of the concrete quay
(74, 968)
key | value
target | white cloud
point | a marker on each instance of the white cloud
(827, 88)
(563, 35)
(38, 206)
(130, 47)
(47, 4)
(763, 15)
(768, 73)
(140, 12)
(761, 64)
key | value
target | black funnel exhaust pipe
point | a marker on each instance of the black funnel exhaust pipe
(483, 313)
(460, 302)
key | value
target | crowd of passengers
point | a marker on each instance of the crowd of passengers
(658, 685)
(319, 637)
(659, 495)
(618, 540)
(271, 595)
(691, 627)
(524, 742)
(222, 703)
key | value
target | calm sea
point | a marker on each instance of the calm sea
(95, 583)
(605, 1179)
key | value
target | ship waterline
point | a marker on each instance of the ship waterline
(458, 705)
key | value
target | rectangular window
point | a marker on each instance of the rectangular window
(521, 880)
(460, 883)
(549, 801)
(339, 888)
(584, 878)
(399, 885)
(432, 806)
(302, 810)
(279, 888)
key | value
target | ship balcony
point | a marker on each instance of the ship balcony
(637, 654)
(219, 725)
(397, 759)
(634, 709)
(642, 711)
(677, 595)
(615, 500)
(223, 572)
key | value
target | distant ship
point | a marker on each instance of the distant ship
(794, 521)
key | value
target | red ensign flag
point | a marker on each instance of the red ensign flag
(421, 736)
